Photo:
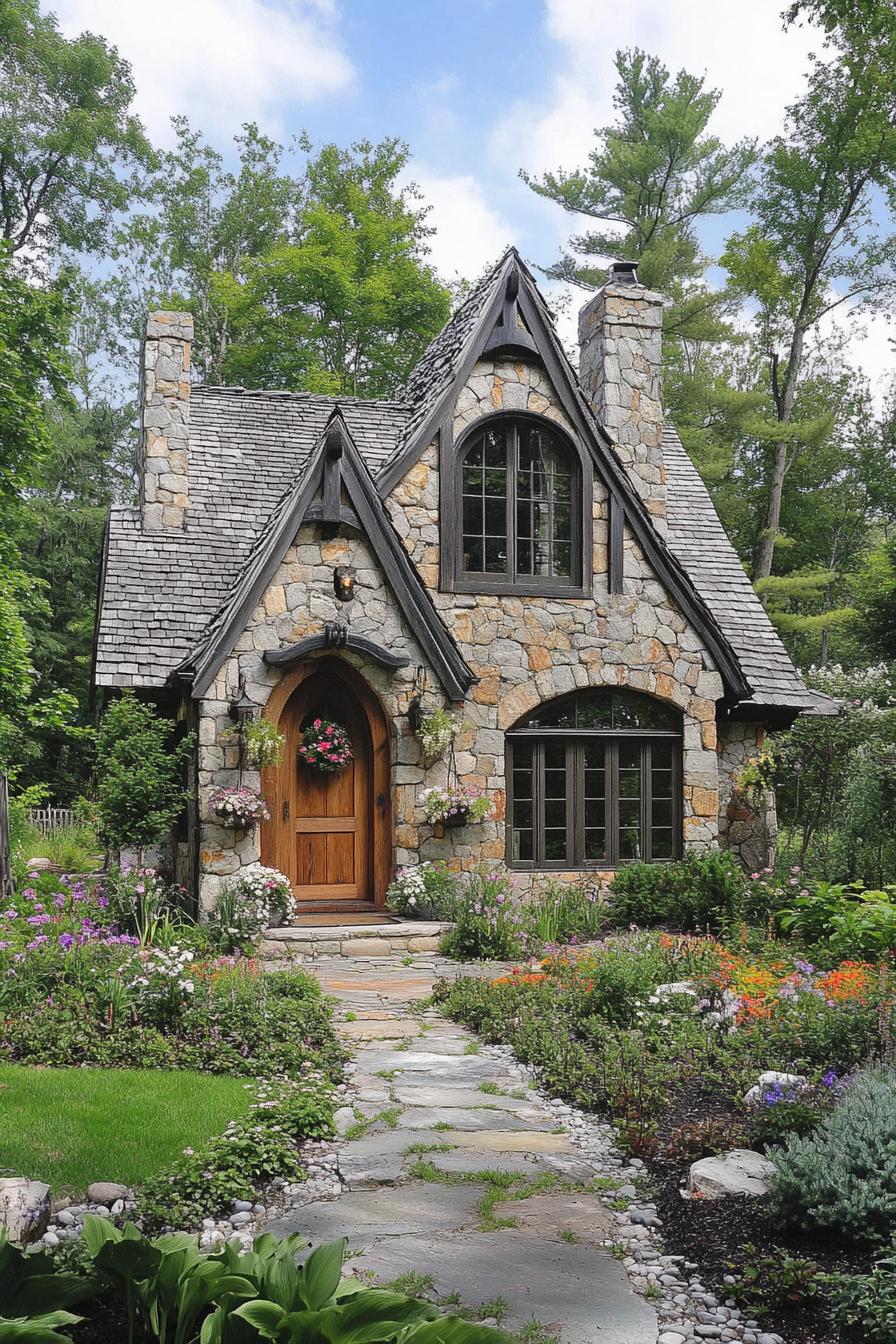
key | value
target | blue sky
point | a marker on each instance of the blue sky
(478, 88)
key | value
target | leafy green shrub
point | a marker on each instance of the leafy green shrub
(245, 1158)
(426, 891)
(255, 900)
(864, 1305)
(139, 788)
(702, 891)
(842, 1179)
(847, 920)
(787, 1282)
(564, 912)
(489, 920)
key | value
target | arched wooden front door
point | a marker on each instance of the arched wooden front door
(327, 832)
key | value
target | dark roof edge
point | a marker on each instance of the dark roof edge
(608, 466)
(202, 666)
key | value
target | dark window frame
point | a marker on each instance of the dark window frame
(453, 578)
(575, 741)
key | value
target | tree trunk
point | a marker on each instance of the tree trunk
(765, 552)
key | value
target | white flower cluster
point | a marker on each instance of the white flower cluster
(409, 888)
(160, 977)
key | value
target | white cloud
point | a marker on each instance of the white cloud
(469, 233)
(740, 47)
(220, 62)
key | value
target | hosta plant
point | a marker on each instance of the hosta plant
(34, 1298)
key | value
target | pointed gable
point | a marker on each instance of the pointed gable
(335, 468)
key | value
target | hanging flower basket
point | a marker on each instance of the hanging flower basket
(325, 746)
(455, 807)
(435, 733)
(239, 809)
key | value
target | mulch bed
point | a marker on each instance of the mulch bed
(713, 1233)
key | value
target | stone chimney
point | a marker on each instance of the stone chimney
(620, 335)
(165, 401)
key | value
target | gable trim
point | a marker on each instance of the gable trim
(626, 506)
(368, 515)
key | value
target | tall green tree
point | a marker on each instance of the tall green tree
(651, 178)
(207, 222)
(349, 304)
(69, 146)
(815, 248)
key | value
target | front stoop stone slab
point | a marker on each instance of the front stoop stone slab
(414, 937)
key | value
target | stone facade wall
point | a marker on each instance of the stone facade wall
(165, 398)
(620, 335)
(524, 650)
(747, 827)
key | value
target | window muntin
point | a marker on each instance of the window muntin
(595, 781)
(519, 504)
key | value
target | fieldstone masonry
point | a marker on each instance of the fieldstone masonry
(165, 395)
(524, 650)
(620, 336)
(748, 826)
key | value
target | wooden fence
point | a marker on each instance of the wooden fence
(5, 852)
(48, 819)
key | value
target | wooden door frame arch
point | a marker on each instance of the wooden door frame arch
(381, 756)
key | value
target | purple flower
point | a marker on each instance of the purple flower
(804, 967)
(830, 1079)
(65, 941)
(4, 946)
(29, 893)
(102, 902)
(39, 941)
(59, 901)
(38, 919)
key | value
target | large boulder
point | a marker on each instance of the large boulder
(106, 1192)
(24, 1208)
(771, 1079)
(738, 1172)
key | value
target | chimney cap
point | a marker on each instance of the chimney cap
(624, 273)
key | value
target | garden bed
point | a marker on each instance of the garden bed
(671, 1069)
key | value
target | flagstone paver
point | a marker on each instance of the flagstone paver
(423, 1138)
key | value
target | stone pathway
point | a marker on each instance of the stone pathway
(454, 1169)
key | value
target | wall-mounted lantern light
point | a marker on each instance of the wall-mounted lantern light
(242, 709)
(344, 583)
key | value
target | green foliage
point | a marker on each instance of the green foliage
(252, 1151)
(488, 920)
(835, 781)
(864, 1305)
(347, 303)
(703, 891)
(563, 912)
(847, 921)
(436, 732)
(263, 744)
(34, 1296)
(138, 774)
(67, 140)
(656, 172)
(842, 1179)
(775, 1279)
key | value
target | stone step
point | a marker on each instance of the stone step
(404, 937)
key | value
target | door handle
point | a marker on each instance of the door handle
(286, 809)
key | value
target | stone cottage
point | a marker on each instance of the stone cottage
(527, 546)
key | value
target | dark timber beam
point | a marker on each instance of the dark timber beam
(335, 637)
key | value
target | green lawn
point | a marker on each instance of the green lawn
(69, 1127)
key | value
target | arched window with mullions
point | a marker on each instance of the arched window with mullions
(594, 781)
(518, 516)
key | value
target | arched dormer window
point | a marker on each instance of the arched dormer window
(593, 781)
(518, 522)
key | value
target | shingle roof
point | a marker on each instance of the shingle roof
(697, 538)
(164, 592)
(160, 590)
